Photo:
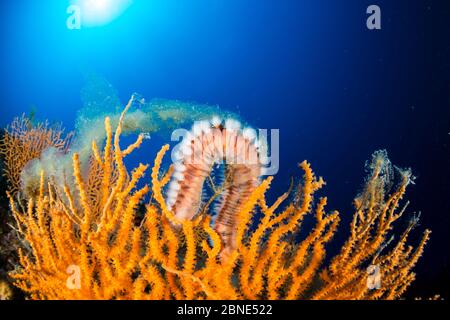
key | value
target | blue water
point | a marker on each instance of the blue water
(312, 69)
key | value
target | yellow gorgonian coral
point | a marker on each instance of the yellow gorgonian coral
(108, 240)
(22, 141)
(348, 274)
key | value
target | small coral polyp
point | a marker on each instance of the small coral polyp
(124, 249)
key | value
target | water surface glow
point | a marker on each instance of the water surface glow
(100, 12)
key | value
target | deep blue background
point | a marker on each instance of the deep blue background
(336, 90)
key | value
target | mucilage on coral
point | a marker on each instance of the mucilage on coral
(96, 228)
